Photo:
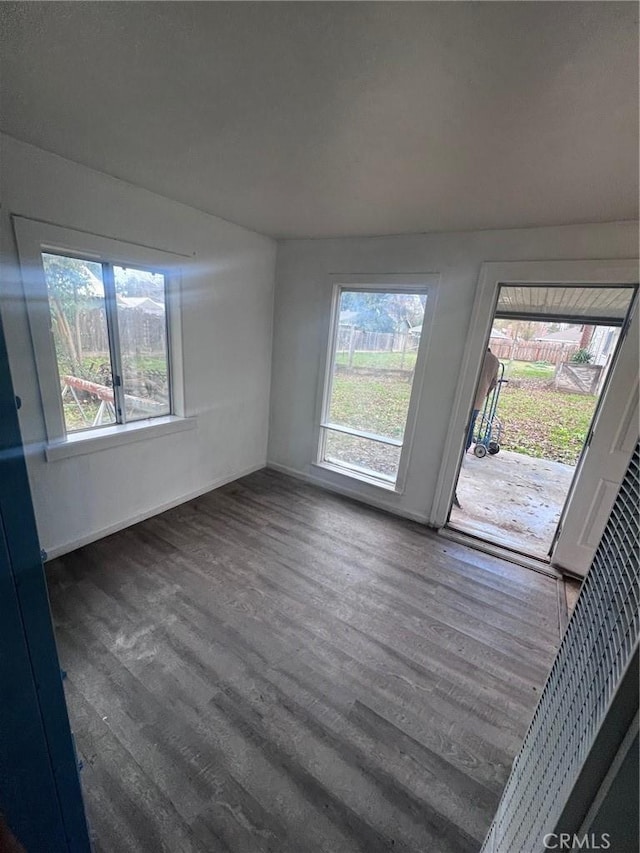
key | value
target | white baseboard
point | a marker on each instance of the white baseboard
(291, 472)
(306, 477)
(59, 550)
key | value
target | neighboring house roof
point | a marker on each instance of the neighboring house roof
(498, 333)
(95, 289)
(564, 336)
(144, 303)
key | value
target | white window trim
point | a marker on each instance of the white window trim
(419, 283)
(34, 237)
(103, 438)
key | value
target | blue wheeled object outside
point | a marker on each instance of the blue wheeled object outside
(489, 427)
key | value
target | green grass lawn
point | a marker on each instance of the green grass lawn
(529, 370)
(380, 360)
(394, 361)
(538, 421)
(544, 423)
(370, 403)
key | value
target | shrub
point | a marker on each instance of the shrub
(582, 356)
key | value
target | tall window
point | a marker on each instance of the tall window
(109, 329)
(374, 348)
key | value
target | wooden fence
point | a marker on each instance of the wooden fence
(140, 331)
(351, 340)
(552, 352)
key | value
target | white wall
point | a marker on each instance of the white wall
(227, 324)
(301, 318)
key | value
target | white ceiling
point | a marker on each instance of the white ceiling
(331, 119)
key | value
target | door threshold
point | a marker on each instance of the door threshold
(536, 564)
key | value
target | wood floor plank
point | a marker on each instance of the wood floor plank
(273, 668)
(127, 809)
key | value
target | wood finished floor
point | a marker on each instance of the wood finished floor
(274, 668)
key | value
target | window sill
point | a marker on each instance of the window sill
(354, 474)
(104, 438)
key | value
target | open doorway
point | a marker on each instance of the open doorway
(552, 352)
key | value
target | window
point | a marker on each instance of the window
(375, 339)
(105, 325)
(109, 329)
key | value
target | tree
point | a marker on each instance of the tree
(526, 331)
(521, 330)
(69, 284)
(134, 282)
(384, 312)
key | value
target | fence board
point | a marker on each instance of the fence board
(140, 331)
(351, 340)
(552, 353)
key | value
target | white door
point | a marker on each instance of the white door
(609, 447)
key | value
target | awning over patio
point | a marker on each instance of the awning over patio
(561, 303)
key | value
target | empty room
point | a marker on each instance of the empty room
(319, 462)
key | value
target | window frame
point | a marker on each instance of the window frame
(33, 238)
(418, 284)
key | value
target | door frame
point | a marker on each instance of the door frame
(619, 428)
(606, 272)
(39, 782)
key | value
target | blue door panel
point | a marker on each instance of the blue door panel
(28, 794)
(39, 786)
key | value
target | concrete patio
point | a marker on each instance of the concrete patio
(512, 500)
